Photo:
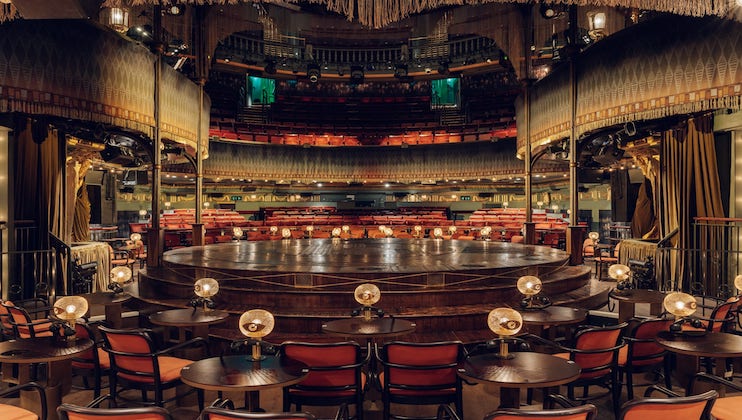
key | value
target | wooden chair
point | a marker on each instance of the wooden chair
(94, 362)
(137, 364)
(120, 258)
(582, 412)
(421, 374)
(694, 407)
(727, 407)
(23, 326)
(92, 412)
(223, 409)
(335, 375)
(13, 412)
(642, 353)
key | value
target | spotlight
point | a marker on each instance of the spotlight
(356, 74)
(313, 72)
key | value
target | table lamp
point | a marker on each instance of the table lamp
(540, 204)
(336, 232)
(738, 283)
(136, 236)
(346, 229)
(286, 233)
(418, 230)
(530, 287)
(622, 274)
(256, 324)
(367, 294)
(485, 233)
(237, 233)
(594, 236)
(68, 309)
(273, 230)
(204, 288)
(309, 230)
(389, 232)
(681, 305)
(452, 229)
(119, 276)
(504, 322)
(437, 233)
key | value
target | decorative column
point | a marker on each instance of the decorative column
(526, 82)
(199, 45)
(155, 234)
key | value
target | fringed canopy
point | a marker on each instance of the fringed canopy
(667, 66)
(380, 13)
(79, 70)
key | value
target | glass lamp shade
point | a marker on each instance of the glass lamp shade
(504, 321)
(596, 21)
(274, 230)
(594, 236)
(486, 231)
(256, 323)
(389, 232)
(237, 232)
(382, 228)
(310, 228)
(437, 232)
(69, 308)
(738, 282)
(286, 233)
(555, 207)
(418, 228)
(142, 212)
(336, 232)
(505, 204)
(206, 287)
(346, 228)
(367, 294)
(452, 229)
(121, 274)
(529, 285)
(619, 272)
(136, 237)
(680, 304)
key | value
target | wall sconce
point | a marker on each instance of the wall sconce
(504, 322)
(116, 18)
(596, 22)
(207, 205)
(505, 204)
(167, 205)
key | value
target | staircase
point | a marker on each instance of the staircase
(256, 114)
(452, 116)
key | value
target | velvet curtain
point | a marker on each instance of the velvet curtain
(689, 187)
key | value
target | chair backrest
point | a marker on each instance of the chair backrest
(596, 349)
(74, 412)
(642, 346)
(6, 324)
(89, 356)
(332, 366)
(213, 413)
(424, 365)
(686, 408)
(132, 352)
(723, 316)
(583, 412)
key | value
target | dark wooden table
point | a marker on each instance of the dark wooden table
(57, 356)
(690, 348)
(628, 298)
(196, 320)
(536, 321)
(113, 303)
(238, 373)
(358, 327)
(525, 370)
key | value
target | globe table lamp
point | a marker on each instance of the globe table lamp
(367, 294)
(237, 233)
(119, 276)
(389, 232)
(204, 288)
(136, 236)
(530, 286)
(309, 230)
(594, 236)
(68, 309)
(346, 229)
(504, 322)
(681, 305)
(273, 230)
(437, 233)
(452, 229)
(622, 274)
(485, 233)
(286, 233)
(738, 283)
(336, 232)
(417, 229)
(256, 324)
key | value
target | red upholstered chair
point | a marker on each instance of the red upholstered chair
(642, 353)
(421, 374)
(13, 412)
(335, 376)
(722, 319)
(583, 412)
(91, 412)
(694, 407)
(94, 362)
(725, 408)
(121, 258)
(214, 413)
(23, 326)
(137, 364)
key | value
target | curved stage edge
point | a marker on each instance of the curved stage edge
(447, 287)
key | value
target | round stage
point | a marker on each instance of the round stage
(364, 256)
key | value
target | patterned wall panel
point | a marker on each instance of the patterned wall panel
(667, 66)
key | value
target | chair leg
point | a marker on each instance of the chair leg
(668, 372)
(112, 389)
(286, 401)
(200, 396)
(629, 385)
(615, 393)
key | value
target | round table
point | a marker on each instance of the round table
(195, 319)
(358, 327)
(630, 297)
(113, 303)
(551, 316)
(524, 370)
(690, 348)
(239, 373)
(42, 350)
